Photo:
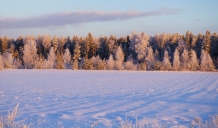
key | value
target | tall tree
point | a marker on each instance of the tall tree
(50, 62)
(67, 59)
(30, 56)
(184, 60)
(139, 45)
(76, 56)
(3, 44)
(166, 61)
(1, 62)
(110, 63)
(91, 47)
(206, 42)
(119, 59)
(176, 61)
(59, 63)
(193, 63)
(206, 61)
(7, 60)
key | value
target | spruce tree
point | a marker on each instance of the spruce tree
(76, 56)
(1, 62)
(110, 63)
(176, 61)
(206, 42)
(7, 60)
(50, 62)
(67, 59)
(193, 63)
(166, 61)
(119, 59)
(59, 61)
(206, 61)
(90, 46)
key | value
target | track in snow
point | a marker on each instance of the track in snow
(53, 98)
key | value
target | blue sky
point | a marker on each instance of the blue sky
(106, 17)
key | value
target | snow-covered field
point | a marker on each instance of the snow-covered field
(55, 98)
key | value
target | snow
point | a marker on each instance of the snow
(55, 98)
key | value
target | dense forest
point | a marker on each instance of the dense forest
(137, 51)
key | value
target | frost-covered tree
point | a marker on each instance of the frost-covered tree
(55, 43)
(40, 63)
(50, 62)
(206, 61)
(129, 65)
(110, 63)
(1, 62)
(17, 64)
(30, 56)
(188, 39)
(176, 61)
(112, 45)
(119, 59)
(3, 44)
(87, 64)
(193, 63)
(184, 60)
(166, 61)
(67, 59)
(97, 63)
(139, 44)
(150, 59)
(7, 60)
(90, 46)
(76, 56)
(161, 41)
(61, 42)
(59, 63)
(206, 42)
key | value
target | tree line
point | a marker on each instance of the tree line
(137, 51)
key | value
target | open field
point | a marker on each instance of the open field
(55, 98)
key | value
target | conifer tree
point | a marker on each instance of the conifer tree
(112, 45)
(90, 45)
(76, 56)
(206, 42)
(130, 66)
(193, 63)
(55, 43)
(59, 61)
(184, 60)
(50, 62)
(3, 44)
(1, 62)
(67, 59)
(206, 61)
(46, 42)
(176, 61)
(40, 63)
(166, 61)
(110, 63)
(7, 60)
(119, 59)
(101, 64)
(61, 42)
(150, 60)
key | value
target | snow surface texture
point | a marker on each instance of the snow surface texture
(55, 98)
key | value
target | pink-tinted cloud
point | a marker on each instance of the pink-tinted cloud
(62, 19)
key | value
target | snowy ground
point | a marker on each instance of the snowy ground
(55, 98)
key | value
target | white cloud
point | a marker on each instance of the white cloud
(70, 18)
